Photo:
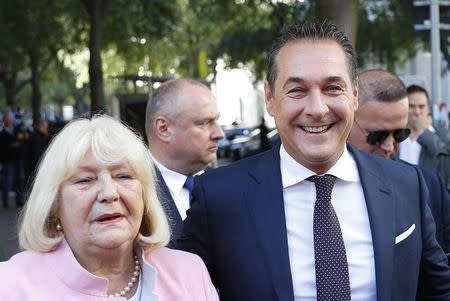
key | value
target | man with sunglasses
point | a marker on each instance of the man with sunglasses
(380, 126)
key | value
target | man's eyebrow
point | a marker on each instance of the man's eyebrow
(293, 79)
(336, 79)
(299, 80)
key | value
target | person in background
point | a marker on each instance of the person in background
(314, 218)
(183, 135)
(264, 140)
(424, 147)
(12, 143)
(93, 227)
(35, 148)
(380, 127)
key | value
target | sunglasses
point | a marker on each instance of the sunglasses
(377, 137)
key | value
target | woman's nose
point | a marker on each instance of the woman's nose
(108, 190)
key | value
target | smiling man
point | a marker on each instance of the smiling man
(315, 219)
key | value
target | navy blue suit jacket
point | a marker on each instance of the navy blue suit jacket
(440, 207)
(237, 225)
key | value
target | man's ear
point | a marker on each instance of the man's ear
(268, 97)
(355, 96)
(162, 128)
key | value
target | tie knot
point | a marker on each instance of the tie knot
(324, 184)
(324, 181)
(189, 183)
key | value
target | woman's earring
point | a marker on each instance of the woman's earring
(58, 227)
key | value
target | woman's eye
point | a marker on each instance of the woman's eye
(124, 176)
(83, 180)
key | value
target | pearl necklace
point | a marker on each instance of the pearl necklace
(134, 278)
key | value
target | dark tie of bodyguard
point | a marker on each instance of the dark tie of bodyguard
(189, 185)
(332, 280)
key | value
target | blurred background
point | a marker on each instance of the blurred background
(62, 59)
(68, 58)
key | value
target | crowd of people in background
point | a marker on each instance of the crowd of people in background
(21, 148)
(352, 204)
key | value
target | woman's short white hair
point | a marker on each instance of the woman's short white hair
(112, 142)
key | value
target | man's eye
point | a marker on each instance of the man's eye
(296, 92)
(334, 89)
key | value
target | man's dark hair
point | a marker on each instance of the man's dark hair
(416, 88)
(317, 30)
(380, 85)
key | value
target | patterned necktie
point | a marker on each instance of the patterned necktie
(332, 280)
(189, 185)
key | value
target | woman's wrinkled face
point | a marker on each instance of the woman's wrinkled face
(101, 205)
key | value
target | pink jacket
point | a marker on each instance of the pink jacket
(58, 276)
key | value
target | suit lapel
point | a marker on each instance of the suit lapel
(381, 210)
(171, 210)
(265, 204)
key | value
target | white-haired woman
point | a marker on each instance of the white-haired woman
(93, 228)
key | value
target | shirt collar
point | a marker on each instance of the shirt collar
(173, 179)
(293, 172)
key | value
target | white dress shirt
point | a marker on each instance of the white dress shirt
(410, 151)
(175, 182)
(349, 203)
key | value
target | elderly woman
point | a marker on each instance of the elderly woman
(93, 228)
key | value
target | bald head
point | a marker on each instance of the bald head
(167, 100)
(383, 106)
(380, 85)
(182, 126)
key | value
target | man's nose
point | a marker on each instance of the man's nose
(416, 111)
(315, 104)
(217, 132)
(388, 144)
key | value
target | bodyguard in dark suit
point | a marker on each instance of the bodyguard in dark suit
(380, 127)
(314, 219)
(183, 135)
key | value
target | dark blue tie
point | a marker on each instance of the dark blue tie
(189, 185)
(332, 280)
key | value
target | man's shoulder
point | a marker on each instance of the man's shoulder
(243, 165)
(386, 168)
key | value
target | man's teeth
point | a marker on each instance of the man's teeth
(316, 129)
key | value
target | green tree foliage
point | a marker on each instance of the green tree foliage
(254, 26)
(175, 38)
(113, 24)
(385, 33)
(32, 32)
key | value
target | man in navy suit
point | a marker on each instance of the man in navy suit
(380, 127)
(252, 222)
(183, 135)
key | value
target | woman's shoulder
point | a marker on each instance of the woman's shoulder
(23, 257)
(22, 261)
(171, 256)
